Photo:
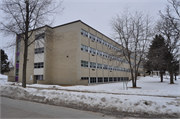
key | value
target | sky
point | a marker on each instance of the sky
(96, 13)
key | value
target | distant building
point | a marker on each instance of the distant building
(77, 55)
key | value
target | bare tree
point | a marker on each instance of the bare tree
(169, 26)
(22, 17)
(172, 13)
(133, 32)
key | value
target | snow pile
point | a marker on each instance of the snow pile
(97, 101)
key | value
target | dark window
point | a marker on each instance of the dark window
(100, 79)
(84, 78)
(84, 48)
(84, 63)
(105, 67)
(122, 79)
(99, 53)
(92, 79)
(99, 40)
(110, 79)
(39, 77)
(92, 65)
(92, 51)
(84, 33)
(17, 72)
(92, 37)
(39, 50)
(17, 58)
(105, 79)
(39, 65)
(99, 66)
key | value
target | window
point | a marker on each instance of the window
(99, 40)
(84, 33)
(110, 79)
(39, 36)
(110, 67)
(115, 79)
(92, 65)
(105, 67)
(17, 72)
(105, 55)
(105, 43)
(92, 37)
(84, 48)
(92, 79)
(122, 79)
(99, 66)
(92, 51)
(39, 65)
(84, 63)
(17, 58)
(100, 79)
(39, 77)
(122, 69)
(39, 50)
(109, 45)
(18, 45)
(84, 78)
(105, 79)
(99, 53)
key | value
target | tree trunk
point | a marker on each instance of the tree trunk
(171, 78)
(161, 73)
(135, 78)
(24, 65)
(132, 77)
(25, 45)
(175, 75)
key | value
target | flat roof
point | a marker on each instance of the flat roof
(86, 25)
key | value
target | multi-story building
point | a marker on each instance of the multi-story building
(76, 54)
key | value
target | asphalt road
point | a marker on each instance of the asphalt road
(12, 108)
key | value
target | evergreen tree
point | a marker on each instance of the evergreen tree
(4, 62)
(157, 55)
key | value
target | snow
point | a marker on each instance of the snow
(149, 86)
(154, 97)
(3, 79)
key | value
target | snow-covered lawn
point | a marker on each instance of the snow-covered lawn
(149, 86)
(110, 97)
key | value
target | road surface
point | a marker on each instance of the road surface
(12, 108)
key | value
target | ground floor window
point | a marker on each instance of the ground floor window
(92, 79)
(105, 79)
(100, 79)
(84, 78)
(39, 77)
(110, 79)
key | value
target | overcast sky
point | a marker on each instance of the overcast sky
(98, 13)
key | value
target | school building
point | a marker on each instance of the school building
(71, 54)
